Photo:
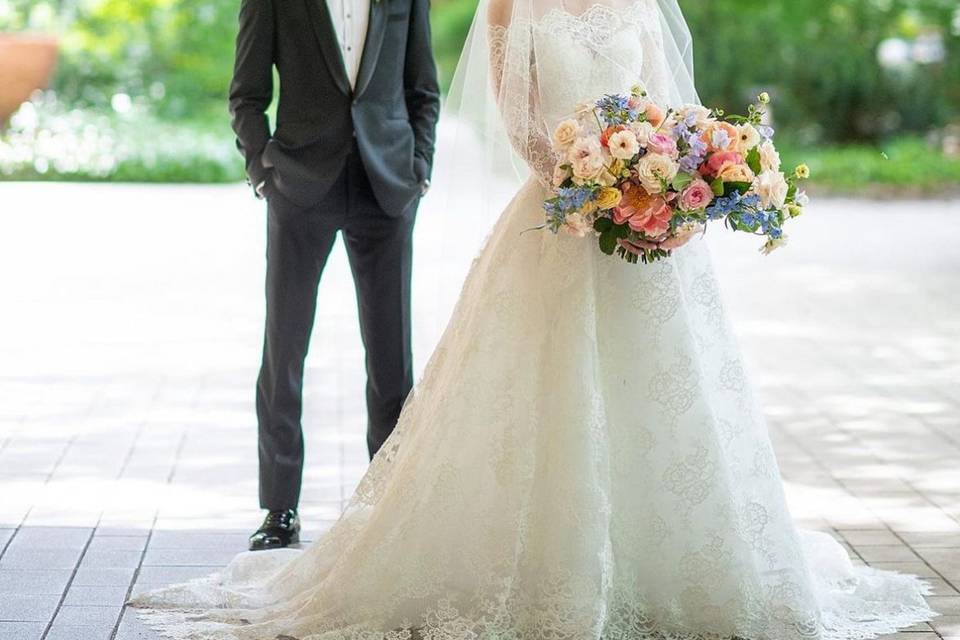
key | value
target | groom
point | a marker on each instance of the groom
(352, 153)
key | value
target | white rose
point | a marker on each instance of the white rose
(748, 138)
(623, 144)
(577, 225)
(772, 245)
(566, 133)
(769, 157)
(586, 159)
(772, 188)
(584, 108)
(643, 131)
(654, 167)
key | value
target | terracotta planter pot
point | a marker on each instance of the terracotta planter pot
(26, 64)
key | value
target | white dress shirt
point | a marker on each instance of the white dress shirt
(350, 19)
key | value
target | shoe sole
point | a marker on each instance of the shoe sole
(294, 539)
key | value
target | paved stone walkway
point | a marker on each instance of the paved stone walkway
(129, 342)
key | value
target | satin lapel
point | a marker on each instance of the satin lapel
(327, 39)
(371, 47)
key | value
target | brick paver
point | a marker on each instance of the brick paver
(130, 338)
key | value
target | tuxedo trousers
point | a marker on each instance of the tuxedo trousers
(299, 241)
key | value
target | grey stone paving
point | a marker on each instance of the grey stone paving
(129, 342)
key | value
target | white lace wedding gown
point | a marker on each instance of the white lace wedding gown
(582, 460)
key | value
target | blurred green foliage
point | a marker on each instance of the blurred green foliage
(818, 58)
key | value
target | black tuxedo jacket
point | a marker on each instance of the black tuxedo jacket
(392, 112)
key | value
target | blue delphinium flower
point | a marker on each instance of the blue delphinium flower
(723, 206)
(568, 200)
(752, 201)
(556, 215)
(765, 132)
(574, 197)
(615, 109)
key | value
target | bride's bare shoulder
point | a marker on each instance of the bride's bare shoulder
(499, 12)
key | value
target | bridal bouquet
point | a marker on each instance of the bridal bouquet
(643, 179)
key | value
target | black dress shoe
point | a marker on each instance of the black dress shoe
(279, 529)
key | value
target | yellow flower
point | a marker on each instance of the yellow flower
(588, 207)
(794, 210)
(803, 172)
(764, 98)
(608, 198)
(617, 167)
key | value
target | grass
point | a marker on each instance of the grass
(904, 167)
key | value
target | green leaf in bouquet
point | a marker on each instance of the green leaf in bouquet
(602, 224)
(621, 231)
(681, 181)
(717, 186)
(608, 242)
(792, 192)
(740, 187)
(753, 160)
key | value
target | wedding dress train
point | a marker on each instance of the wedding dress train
(582, 459)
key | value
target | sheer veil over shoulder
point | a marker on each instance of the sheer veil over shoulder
(583, 458)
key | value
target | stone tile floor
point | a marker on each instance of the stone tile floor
(130, 332)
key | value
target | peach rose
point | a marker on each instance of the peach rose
(566, 133)
(654, 114)
(718, 161)
(736, 173)
(721, 136)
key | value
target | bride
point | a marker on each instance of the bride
(583, 458)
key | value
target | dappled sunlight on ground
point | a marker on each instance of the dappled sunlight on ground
(131, 337)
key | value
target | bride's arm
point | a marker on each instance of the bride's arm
(513, 75)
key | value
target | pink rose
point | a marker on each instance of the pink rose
(698, 195)
(719, 161)
(662, 143)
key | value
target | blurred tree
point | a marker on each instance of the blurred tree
(820, 59)
(175, 53)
